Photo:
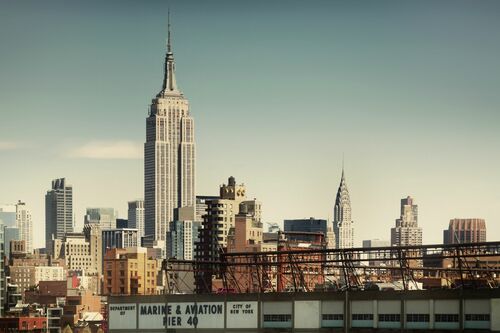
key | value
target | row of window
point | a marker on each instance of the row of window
(446, 318)
(278, 317)
(332, 317)
(417, 317)
(362, 316)
(477, 317)
(389, 317)
(412, 317)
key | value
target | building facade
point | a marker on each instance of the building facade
(357, 311)
(129, 272)
(10, 234)
(377, 259)
(82, 251)
(407, 232)
(183, 234)
(136, 216)
(219, 218)
(49, 273)
(465, 231)
(343, 226)
(119, 238)
(104, 217)
(8, 215)
(122, 223)
(25, 225)
(310, 225)
(58, 211)
(169, 154)
(201, 206)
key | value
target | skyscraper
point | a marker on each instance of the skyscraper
(465, 231)
(136, 217)
(58, 211)
(169, 154)
(407, 232)
(25, 225)
(342, 224)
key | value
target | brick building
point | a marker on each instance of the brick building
(129, 272)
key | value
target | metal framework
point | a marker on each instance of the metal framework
(470, 265)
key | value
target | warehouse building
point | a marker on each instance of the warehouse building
(370, 311)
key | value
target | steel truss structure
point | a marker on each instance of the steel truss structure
(471, 265)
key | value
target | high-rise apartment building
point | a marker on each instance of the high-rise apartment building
(58, 211)
(25, 225)
(169, 154)
(343, 227)
(465, 231)
(201, 206)
(136, 216)
(104, 217)
(220, 217)
(407, 232)
(183, 234)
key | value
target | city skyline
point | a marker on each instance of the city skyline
(400, 137)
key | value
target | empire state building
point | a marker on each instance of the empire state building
(169, 154)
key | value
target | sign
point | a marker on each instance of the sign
(242, 314)
(122, 316)
(181, 315)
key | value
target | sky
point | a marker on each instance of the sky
(407, 91)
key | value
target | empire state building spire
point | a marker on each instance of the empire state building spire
(169, 83)
(169, 155)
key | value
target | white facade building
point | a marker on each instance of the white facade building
(49, 273)
(25, 225)
(169, 155)
(342, 224)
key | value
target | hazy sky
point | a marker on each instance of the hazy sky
(279, 90)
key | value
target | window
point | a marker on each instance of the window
(446, 318)
(417, 317)
(362, 316)
(332, 317)
(278, 317)
(389, 317)
(477, 317)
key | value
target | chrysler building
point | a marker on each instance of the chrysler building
(169, 155)
(342, 223)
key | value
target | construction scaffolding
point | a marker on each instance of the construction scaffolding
(474, 265)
